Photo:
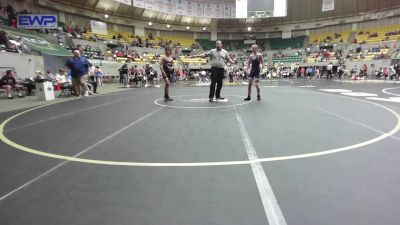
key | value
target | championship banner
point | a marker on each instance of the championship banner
(127, 2)
(208, 10)
(150, 4)
(179, 7)
(199, 9)
(286, 34)
(189, 7)
(226, 10)
(138, 3)
(170, 6)
(217, 9)
(160, 5)
(328, 5)
(98, 27)
(242, 5)
(233, 10)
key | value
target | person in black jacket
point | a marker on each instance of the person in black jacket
(8, 82)
(123, 73)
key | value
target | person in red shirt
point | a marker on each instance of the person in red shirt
(302, 71)
(14, 22)
(365, 70)
(184, 75)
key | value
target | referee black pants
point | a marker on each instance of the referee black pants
(217, 76)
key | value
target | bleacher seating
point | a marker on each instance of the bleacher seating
(287, 59)
(89, 52)
(235, 45)
(206, 44)
(230, 45)
(3, 21)
(93, 53)
(193, 61)
(184, 42)
(128, 38)
(279, 43)
(275, 43)
(366, 54)
(321, 57)
(364, 35)
(329, 37)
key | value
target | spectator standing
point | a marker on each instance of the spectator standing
(98, 76)
(329, 69)
(79, 67)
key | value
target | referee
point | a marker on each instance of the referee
(218, 58)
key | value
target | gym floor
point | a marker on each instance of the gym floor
(311, 152)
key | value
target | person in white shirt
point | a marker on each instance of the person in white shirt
(329, 68)
(218, 58)
(61, 76)
(61, 79)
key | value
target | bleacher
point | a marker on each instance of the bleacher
(109, 36)
(287, 59)
(235, 45)
(193, 61)
(365, 55)
(185, 42)
(89, 52)
(364, 35)
(3, 21)
(279, 43)
(329, 37)
(128, 38)
(230, 45)
(206, 44)
(315, 57)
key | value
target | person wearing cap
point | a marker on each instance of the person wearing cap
(218, 58)
(8, 82)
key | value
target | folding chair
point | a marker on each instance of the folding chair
(66, 90)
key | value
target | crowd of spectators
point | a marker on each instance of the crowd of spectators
(7, 43)
(76, 31)
(392, 33)
(377, 52)
(280, 54)
(330, 39)
(375, 35)
(9, 15)
(325, 55)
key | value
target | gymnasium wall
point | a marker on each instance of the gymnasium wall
(24, 65)
(83, 43)
(377, 64)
